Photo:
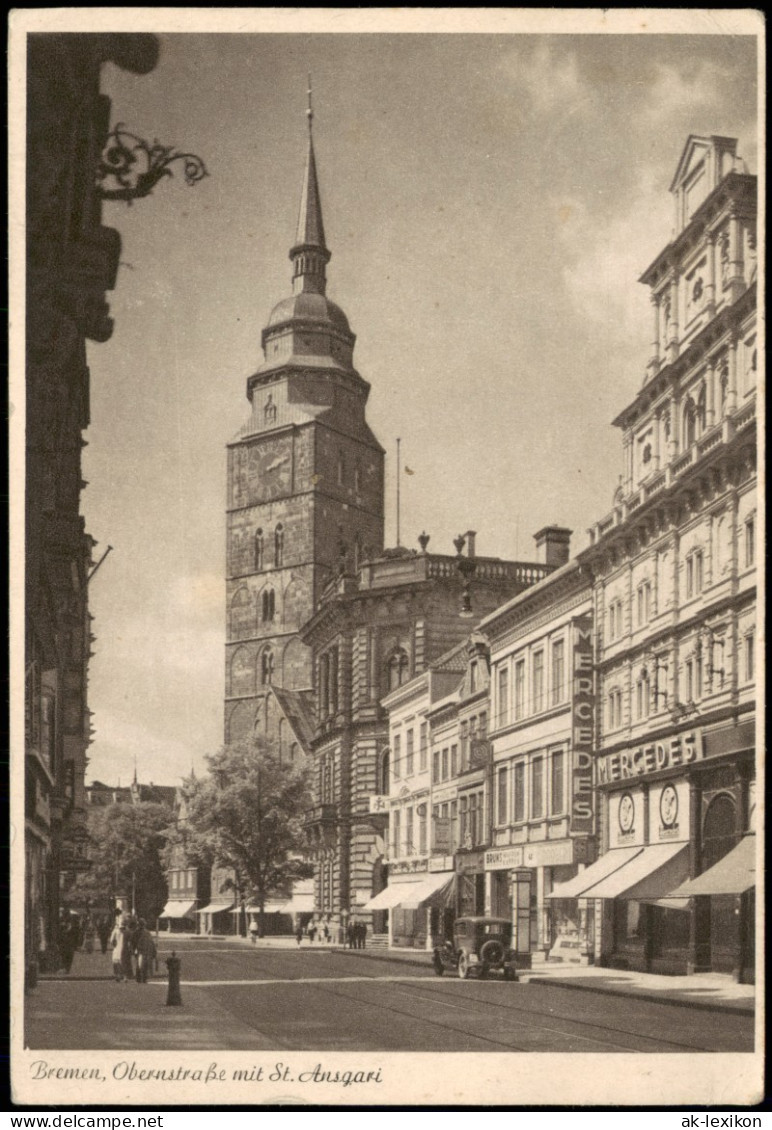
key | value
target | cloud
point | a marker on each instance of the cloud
(673, 88)
(548, 74)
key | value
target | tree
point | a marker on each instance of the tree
(125, 846)
(247, 815)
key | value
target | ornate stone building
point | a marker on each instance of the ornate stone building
(374, 631)
(305, 489)
(674, 603)
(72, 260)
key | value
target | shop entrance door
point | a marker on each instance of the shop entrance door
(719, 836)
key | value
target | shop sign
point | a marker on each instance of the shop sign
(626, 818)
(441, 863)
(406, 866)
(583, 708)
(548, 854)
(669, 812)
(501, 859)
(472, 863)
(441, 834)
(681, 749)
(378, 804)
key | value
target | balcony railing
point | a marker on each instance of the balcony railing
(322, 815)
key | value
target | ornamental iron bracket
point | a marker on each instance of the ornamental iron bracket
(130, 168)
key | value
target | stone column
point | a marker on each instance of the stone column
(731, 392)
(655, 305)
(710, 282)
(710, 399)
(736, 277)
(672, 329)
(674, 406)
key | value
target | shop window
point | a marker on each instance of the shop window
(519, 689)
(537, 788)
(501, 794)
(558, 671)
(538, 681)
(558, 783)
(519, 792)
(503, 696)
(409, 756)
(396, 762)
(423, 746)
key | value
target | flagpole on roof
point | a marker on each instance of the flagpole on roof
(399, 475)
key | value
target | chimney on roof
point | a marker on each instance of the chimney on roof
(553, 545)
(470, 535)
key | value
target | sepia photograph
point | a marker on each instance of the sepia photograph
(386, 530)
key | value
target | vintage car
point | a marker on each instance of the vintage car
(478, 945)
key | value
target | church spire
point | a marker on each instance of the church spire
(310, 255)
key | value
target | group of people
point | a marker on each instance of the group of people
(356, 935)
(317, 931)
(134, 950)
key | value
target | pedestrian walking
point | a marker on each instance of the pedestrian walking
(119, 945)
(69, 934)
(89, 933)
(103, 930)
(299, 932)
(144, 948)
(311, 932)
(253, 932)
(364, 935)
(326, 933)
(350, 935)
(128, 953)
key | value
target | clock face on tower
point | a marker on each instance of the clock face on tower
(270, 469)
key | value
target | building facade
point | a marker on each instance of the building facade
(542, 715)
(674, 604)
(373, 631)
(71, 262)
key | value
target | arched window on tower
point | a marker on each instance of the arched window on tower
(266, 668)
(397, 669)
(269, 605)
(278, 540)
(259, 552)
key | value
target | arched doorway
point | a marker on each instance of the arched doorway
(719, 836)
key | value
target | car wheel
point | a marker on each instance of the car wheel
(464, 970)
(439, 968)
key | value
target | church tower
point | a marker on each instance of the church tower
(305, 481)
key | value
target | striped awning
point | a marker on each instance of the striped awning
(215, 908)
(176, 909)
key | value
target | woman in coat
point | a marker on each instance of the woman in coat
(144, 947)
(119, 944)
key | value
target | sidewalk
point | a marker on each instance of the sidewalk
(714, 991)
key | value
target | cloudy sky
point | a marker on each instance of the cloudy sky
(490, 201)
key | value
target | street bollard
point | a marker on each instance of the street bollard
(173, 964)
